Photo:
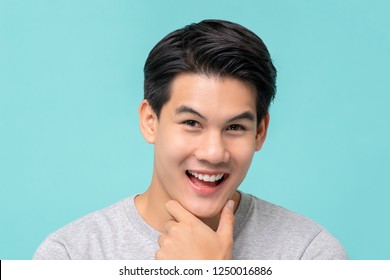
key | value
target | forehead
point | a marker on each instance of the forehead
(211, 93)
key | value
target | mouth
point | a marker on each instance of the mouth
(202, 180)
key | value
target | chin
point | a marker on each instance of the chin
(204, 212)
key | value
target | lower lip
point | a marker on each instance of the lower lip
(204, 190)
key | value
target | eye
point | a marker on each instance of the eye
(235, 127)
(191, 123)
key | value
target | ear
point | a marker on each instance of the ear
(261, 132)
(148, 121)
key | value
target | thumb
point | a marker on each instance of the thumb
(226, 222)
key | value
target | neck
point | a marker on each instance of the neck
(152, 210)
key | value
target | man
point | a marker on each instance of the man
(208, 88)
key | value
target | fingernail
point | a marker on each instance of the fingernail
(230, 204)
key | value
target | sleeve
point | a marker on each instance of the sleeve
(324, 247)
(51, 249)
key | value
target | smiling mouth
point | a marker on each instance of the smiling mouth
(206, 180)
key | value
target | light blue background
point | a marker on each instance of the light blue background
(71, 80)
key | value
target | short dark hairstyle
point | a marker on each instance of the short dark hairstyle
(212, 47)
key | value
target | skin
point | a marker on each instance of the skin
(208, 126)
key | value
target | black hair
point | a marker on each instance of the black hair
(212, 47)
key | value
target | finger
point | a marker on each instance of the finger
(177, 211)
(160, 255)
(161, 239)
(169, 225)
(226, 222)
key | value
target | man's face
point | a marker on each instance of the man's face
(204, 141)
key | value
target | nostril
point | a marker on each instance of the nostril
(212, 154)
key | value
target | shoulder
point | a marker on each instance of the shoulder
(84, 232)
(282, 233)
(274, 216)
(96, 221)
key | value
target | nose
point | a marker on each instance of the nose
(212, 148)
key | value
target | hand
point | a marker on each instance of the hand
(186, 237)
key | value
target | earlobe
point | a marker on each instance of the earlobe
(147, 121)
(261, 133)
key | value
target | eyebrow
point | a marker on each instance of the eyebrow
(246, 115)
(185, 109)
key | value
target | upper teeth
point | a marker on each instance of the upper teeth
(205, 177)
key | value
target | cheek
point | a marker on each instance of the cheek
(243, 154)
(173, 147)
